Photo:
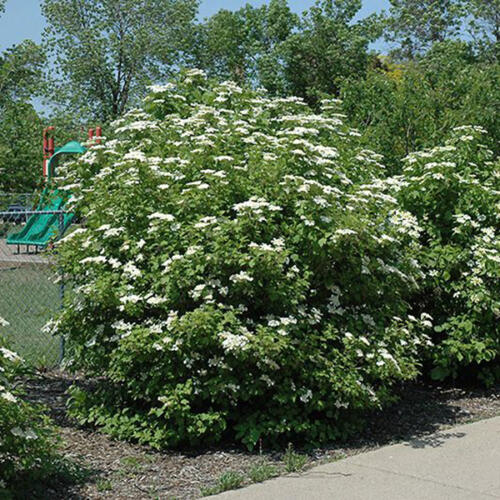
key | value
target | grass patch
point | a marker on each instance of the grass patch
(131, 466)
(294, 462)
(228, 481)
(262, 472)
(28, 299)
(259, 472)
(104, 485)
(131, 463)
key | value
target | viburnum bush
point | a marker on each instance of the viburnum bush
(26, 435)
(241, 274)
(454, 191)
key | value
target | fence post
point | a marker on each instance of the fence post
(61, 289)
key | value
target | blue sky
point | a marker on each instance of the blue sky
(22, 18)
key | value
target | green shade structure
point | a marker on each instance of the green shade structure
(71, 148)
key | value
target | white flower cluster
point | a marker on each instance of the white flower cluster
(241, 277)
(8, 354)
(232, 342)
(276, 245)
(257, 206)
(7, 395)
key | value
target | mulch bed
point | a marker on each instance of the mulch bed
(120, 470)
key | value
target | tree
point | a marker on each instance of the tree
(270, 46)
(20, 151)
(107, 51)
(329, 47)
(485, 25)
(415, 105)
(414, 25)
(20, 72)
(244, 45)
(20, 126)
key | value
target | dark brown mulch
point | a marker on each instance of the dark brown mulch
(120, 470)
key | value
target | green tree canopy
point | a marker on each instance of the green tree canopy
(20, 72)
(415, 105)
(245, 45)
(20, 151)
(485, 25)
(414, 25)
(329, 47)
(20, 126)
(106, 51)
(270, 46)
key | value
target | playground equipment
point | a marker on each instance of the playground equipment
(48, 219)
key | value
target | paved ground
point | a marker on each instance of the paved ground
(462, 463)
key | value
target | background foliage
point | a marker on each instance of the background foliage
(104, 53)
(406, 107)
(20, 126)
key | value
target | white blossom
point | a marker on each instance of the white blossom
(7, 354)
(242, 276)
(232, 342)
(100, 259)
(160, 216)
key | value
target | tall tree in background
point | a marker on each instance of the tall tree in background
(329, 47)
(411, 106)
(222, 46)
(106, 51)
(245, 45)
(20, 72)
(20, 148)
(485, 25)
(414, 25)
(272, 47)
(20, 126)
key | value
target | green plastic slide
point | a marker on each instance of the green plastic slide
(41, 228)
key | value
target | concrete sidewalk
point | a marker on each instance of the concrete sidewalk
(461, 463)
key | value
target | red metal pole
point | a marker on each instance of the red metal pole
(52, 146)
(48, 148)
(98, 133)
(45, 150)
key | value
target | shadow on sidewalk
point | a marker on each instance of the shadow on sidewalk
(434, 440)
(419, 416)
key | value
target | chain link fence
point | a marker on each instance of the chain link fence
(10, 202)
(31, 288)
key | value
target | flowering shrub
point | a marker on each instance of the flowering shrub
(454, 191)
(26, 438)
(241, 272)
